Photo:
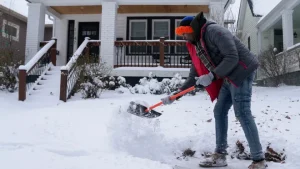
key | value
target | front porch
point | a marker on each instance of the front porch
(284, 33)
(281, 29)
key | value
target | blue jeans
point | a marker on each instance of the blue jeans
(240, 98)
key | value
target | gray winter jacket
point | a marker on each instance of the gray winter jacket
(233, 60)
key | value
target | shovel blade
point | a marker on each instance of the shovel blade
(140, 110)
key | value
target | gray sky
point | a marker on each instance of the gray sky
(21, 7)
(234, 8)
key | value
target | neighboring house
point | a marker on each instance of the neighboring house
(115, 20)
(13, 28)
(251, 11)
(280, 27)
(276, 23)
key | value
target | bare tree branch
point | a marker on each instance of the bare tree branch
(272, 65)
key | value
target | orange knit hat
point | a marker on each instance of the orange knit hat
(184, 26)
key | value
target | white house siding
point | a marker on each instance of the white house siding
(35, 29)
(61, 35)
(61, 28)
(249, 29)
(62, 32)
(121, 28)
(121, 23)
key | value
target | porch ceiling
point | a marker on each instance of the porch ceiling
(122, 2)
(275, 15)
(97, 9)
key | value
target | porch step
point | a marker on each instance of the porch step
(48, 87)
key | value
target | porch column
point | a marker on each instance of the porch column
(35, 29)
(61, 28)
(108, 33)
(259, 41)
(259, 50)
(287, 26)
(216, 12)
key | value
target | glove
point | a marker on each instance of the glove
(167, 100)
(205, 80)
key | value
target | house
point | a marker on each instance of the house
(132, 37)
(13, 31)
(122, 20)
(264, 23)
(251, 11)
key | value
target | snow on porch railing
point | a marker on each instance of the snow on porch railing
(292, 57)
(40, 62)
(70, 72)
(152, 53)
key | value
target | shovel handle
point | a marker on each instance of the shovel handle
(172, 98)
(182, 92)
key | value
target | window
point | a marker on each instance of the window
(138, 31)
(160, 28)
(11, 30)
(179, 49)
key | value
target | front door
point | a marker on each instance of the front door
(71, 33)
(91, 30)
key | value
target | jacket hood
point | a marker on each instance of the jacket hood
(198, 22)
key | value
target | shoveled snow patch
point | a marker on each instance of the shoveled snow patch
(72, 135)
(138, 136)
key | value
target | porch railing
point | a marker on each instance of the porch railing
(36, 67)
(152, 53)
(292, 58)
(70, 73)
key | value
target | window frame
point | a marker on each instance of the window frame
(169, 31)
(249, 42)
(5, 35)
(130, 26)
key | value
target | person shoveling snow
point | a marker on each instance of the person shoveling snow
(226, 68)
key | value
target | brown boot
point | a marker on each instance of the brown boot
(258, 165)
(216, 160)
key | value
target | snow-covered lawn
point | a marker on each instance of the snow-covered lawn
(99, 134)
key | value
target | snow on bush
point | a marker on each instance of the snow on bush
(10, 60)
(92, 79)
(150, 85)
(95, 78)
(9, 77)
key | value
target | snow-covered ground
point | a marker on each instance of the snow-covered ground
(93, 134)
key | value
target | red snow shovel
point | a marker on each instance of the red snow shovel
(142, 111)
